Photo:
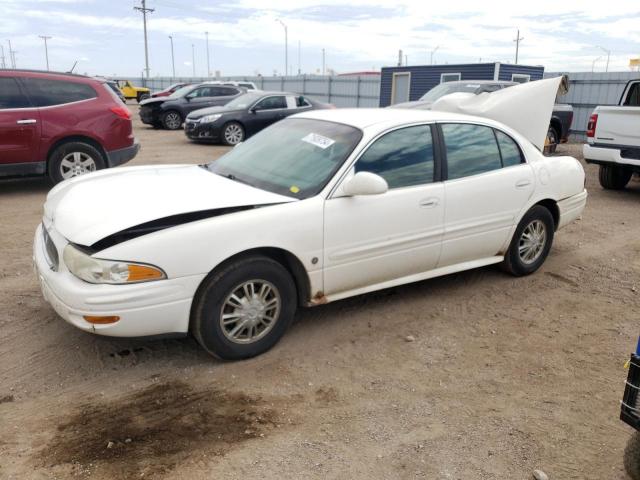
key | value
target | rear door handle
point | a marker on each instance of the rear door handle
(523, 183)
(28, 121)
(429, 202)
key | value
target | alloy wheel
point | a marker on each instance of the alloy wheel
(532, 242)
(233, 134)
(76, 163)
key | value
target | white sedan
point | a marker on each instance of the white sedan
(321, 206)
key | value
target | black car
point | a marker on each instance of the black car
(630, 414)
(245, 116)
(169, 112)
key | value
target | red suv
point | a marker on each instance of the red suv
(61, 124)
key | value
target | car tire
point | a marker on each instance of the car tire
(531, 242)
(72, 159)
(232, 134)
(171, 120)
(246, 292)
(632, 456)
(553, 139)
(143, 96)
(613, 177)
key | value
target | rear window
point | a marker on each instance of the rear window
(10, 94)
(45, 92)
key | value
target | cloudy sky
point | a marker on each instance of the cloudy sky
(105, 36)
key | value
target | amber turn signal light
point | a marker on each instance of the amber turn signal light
(101, 320)
(138, 273)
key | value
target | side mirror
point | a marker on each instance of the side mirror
(365, 183)
(252, 110)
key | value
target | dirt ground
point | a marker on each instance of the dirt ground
(505, 375)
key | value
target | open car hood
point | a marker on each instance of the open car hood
(526, 108)
(91, 207)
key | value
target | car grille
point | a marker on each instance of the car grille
(189, 126)
(50, 250)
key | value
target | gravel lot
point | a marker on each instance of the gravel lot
(503, 376)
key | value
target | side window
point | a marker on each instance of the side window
(10, 94)
(404, 157)
(509, 150)
(633, 97)
(271, 103)
(302, 102)
(198, 92)
(471, 149)
(45, 93)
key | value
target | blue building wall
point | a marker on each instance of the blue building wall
(425, 77)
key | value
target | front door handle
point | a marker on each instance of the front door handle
(28, 121)
(523, 183)
(429, 202)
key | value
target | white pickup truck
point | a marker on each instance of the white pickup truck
(613, 137)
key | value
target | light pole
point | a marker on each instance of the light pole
(208, 66)
(173, 63)
(593, 64)
(323, 59)
(518, 39)
(12, 55)
(608, 52)
(433, 52)
(46, 50)
(286, 46)
(299, 56)
(2, 57)
(144, 11)
(193, 59)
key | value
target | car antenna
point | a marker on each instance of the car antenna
(74, 66)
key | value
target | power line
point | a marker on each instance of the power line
(144, 11)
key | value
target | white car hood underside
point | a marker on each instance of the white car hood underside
(526, 108)
(91, 207)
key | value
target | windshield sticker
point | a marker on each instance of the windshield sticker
(294, 189)
(318, 141)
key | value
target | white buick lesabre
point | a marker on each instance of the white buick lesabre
(321, 206)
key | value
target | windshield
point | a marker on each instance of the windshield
(181, 92)
(243, 101)
(446, 88)
(294, 157)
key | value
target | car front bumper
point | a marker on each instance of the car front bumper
(203, 132)
(145, 309)
(122, 155)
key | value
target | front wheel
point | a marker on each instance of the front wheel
(232, 133)
(171, 120)
(72, 159)
(531, 242)
(244, 309)
(613, 177)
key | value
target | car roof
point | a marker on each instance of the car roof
(364, 118)
(46, 74)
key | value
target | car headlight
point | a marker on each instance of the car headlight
(97, 270)
(210, 118)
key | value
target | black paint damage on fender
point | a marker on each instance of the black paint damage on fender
(163, 223)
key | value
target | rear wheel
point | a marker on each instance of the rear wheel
(244, 309)
(143, 96)
(531, 242)
(72, 159)
(553, 139)
(171, 120)
(632, 456)
(613, 177)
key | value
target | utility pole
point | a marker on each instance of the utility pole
(46, 50)
(323, 59)
(433, 52)
(406, 60)
(144, 11)
(173, 63)
(4, 65)
(608, 52)
(518, 40)
(12, 55)
(286, 46)
(593, 64)
(193, 59)
(208, 66)
(299, 63)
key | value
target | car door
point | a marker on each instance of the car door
(19, 125)
(266, 111)
(373, 239)
(198, 98)
(488, 183)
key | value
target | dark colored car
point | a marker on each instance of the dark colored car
(114, 86)
(170, 112)
(169, 90)
(245, 116)
(561, 118)
(61, 125)
(630, 414)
